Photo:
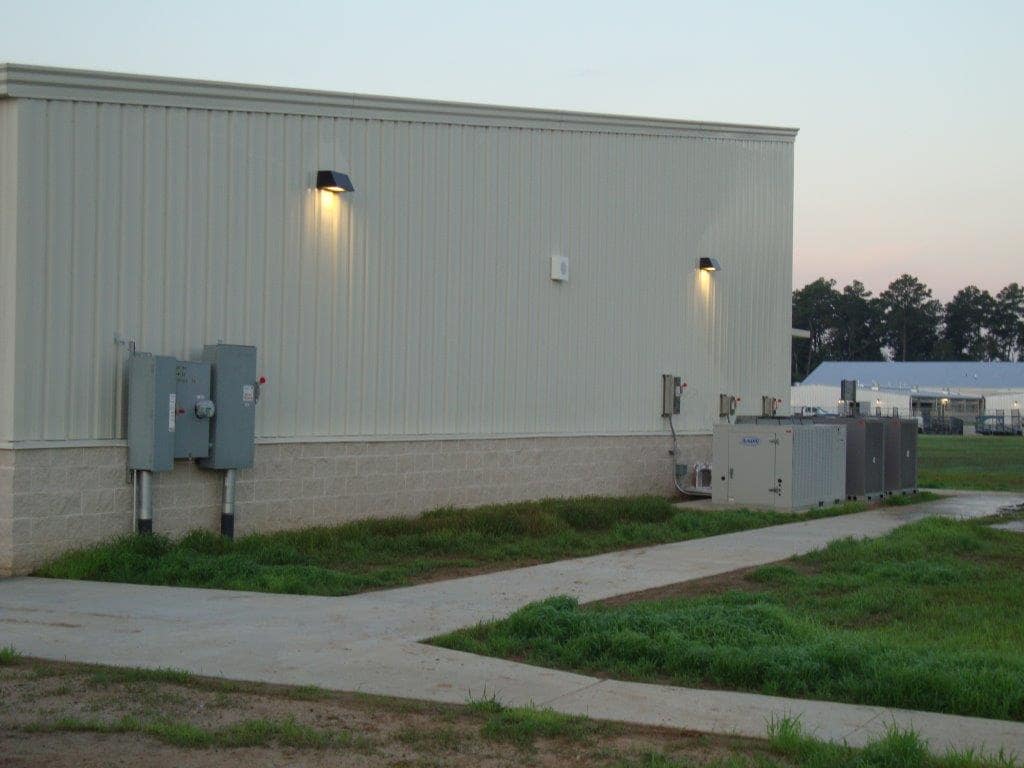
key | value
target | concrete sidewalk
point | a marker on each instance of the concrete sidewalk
(371, 642)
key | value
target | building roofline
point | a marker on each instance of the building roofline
(36, 82)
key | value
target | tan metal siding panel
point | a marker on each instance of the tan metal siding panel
(420, 304)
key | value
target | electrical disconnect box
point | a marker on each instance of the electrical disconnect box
(671, 394)
(786, 466)
(770, 405)
(187, 409)
(194, 411)
(235, 393)
(727, 405)
(152, 412)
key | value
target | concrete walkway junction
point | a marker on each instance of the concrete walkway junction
(372, 642)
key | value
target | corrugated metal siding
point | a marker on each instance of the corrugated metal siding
(8, 261)
(420, 304)
(1005, 402)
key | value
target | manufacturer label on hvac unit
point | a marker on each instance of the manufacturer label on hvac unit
(751, 440)
(248, 394)
(172, 412)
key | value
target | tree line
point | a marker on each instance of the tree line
(904, 322)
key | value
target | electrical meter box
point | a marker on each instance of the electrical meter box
(785, 466)
(194, 411)
(671, 391)
(152, 412)
(234, 391)
(169, 411)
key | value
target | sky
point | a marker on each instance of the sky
(910, 156)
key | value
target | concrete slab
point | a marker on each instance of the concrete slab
(1015, 526)
(370, 642)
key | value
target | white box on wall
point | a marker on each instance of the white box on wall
(560, 268)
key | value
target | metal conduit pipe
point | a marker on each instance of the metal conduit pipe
(227, 515)
(144, 524)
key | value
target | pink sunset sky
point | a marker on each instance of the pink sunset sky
(909, 157)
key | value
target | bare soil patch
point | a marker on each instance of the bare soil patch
(731, 581)
(50, 714)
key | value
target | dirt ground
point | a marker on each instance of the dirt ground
(731, 581)
(54, 715)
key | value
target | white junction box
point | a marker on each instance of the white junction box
(783, 466)
(560, 268)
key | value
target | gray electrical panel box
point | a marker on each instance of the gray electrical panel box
(726, 405)
(785, 466)
(671, 391)
(234, 391)
(192, 433)
(152, 412)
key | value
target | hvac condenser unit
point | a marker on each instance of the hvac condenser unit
(865, 456)
(900, 455)
(781, 466)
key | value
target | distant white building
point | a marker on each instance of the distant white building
(963, 390)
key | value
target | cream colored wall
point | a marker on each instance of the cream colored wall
(421, 304)
(8, 257)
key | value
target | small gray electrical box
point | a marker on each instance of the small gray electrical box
(671, 390)
(726, 405)
(234, 391)
(152, 412)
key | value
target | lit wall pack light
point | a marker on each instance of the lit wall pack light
(708, 264)
(334, 181)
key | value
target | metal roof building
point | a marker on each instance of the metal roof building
(964, 377)
(418, 351)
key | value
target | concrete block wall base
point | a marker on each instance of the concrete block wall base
(56, 499)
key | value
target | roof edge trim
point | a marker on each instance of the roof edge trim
(35, 82)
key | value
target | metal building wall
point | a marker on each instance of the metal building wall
(420, 304)
(8, 255)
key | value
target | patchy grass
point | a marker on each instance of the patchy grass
(975, 463)
(898, 748)
(376, 554)
(49, 706)
(8, 655)
(524, 725)
(928, 617)
(247, 733)
(109, 675)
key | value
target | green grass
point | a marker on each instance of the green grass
(113, 675)
(376, 554)
(247, 733)
(928, 617)
(8, 655)
(522, 726)
(790, 747)
(975, 463)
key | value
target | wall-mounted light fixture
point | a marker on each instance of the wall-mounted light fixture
(334, 181)
(708, 264)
